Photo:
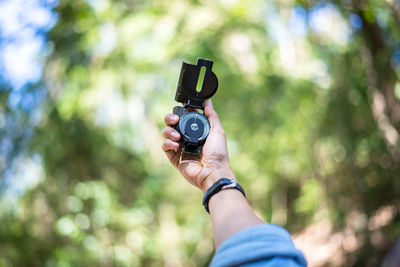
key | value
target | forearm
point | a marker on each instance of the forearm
(230, 213)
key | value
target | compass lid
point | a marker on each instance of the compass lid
(186, 92)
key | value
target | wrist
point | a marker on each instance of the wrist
(225, 172)
(217, 187)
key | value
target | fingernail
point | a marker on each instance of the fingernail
(175, 135)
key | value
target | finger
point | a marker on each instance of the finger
(211, 115)
(172, 154)
(171, 133)
(169, 145)
(171, 119)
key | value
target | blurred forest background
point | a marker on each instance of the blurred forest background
(309, 95)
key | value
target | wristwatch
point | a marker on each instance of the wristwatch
(221, 184)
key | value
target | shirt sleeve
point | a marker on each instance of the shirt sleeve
(260, 245)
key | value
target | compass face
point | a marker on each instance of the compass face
(194, 127)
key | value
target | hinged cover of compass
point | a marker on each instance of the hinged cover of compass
(186, 92)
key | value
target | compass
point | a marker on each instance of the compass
(194, 126)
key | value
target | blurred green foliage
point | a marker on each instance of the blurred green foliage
(309, 96)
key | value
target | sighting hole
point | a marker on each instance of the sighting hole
(201, 78)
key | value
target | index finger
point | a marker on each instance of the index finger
(171, 119)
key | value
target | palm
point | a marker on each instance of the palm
(213, 151)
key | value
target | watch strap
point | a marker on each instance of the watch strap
(221, 184)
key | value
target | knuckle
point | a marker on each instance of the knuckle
(168, 118)
(167, 143)
(166, 131)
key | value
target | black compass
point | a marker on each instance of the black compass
(194, 126)
(194, 129)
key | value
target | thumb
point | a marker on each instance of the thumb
(211, 115)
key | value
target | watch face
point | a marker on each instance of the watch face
(194, 127)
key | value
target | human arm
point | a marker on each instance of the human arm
(229, 210)
(241, 238)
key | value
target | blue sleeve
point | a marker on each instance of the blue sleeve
(261, 245)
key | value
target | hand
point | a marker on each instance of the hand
(215, 160)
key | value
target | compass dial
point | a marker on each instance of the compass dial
(194, 127)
